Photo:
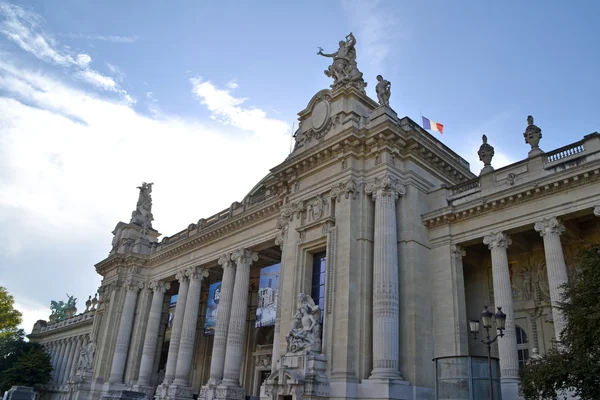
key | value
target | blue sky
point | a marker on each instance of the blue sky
(199, 97)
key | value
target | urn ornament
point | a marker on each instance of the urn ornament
(486, 152)
(532, 135)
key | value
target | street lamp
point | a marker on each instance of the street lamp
(486, 320)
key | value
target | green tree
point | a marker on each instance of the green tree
(30, 369)
(9, 317)
(575, 363)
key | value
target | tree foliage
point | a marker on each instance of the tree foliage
(31, 368)
(9, 317)
(575, 362)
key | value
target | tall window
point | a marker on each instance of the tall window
(522, 347)
(317, 291)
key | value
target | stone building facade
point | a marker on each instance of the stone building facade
(390, 240)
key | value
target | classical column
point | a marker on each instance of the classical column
(188, 330)
(386, 320)
(498, 242)
(65, 361)
(54, 346)
(75, 358)
(59, 360)
(151, 338)
(550, 229)
(217, 362)
(184, 284)
(461, 334)
(69, 361)
(124, 334)
(237, 320)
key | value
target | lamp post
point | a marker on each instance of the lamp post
(486, 320)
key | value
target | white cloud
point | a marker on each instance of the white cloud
(105, 38)
(227, 109)
(232, 84)
(376, 27)
(24, 29)
(116, 71)
(70, 162)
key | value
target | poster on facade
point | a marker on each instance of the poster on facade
(268, 288)
(214, 292)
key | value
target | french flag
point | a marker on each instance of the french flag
(432, 126)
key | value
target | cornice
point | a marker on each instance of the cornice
(508, 198)
(217, 231)
(121, 260)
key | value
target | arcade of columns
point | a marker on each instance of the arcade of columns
(64, 357)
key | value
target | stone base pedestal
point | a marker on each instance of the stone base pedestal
(535, 152)
(509, 388)
(372, 389)
(300, 376)
(124, 395)
(148, 390)
(174, 392)
(223, 392)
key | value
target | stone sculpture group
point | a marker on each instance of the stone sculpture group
(305, 335)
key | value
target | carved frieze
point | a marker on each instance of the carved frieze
(345, 189)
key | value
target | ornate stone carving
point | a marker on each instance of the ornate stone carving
(159, 286)
(347, 188)
(225, 260)
(549, 226)
(497, 239)
(88, 303)
(385, 186)
(458, 251)
(305, 335)
(134, 285)
(486, 153)
(263, 360)
(532, 136)
(181, 276)
(316, 207)
(196, 273)
(384, 91)
(344, 70)
(86, 357)
(142, 216)
(244, 256)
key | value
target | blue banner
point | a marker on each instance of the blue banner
(268, 288)
(214, 293)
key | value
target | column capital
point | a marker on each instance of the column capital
(134, 285)
(159, 286)
(181, 276)
(225, 260)
(385, 186)
(196, 273)
(549, 226)
(457, 251)
(597, 211)
(244, 256)
(497, 239)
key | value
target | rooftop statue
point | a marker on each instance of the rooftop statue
(384, 91)
(486, 153)
(305, 335)
(344, 70)
(532, 136)
(61, 310)
(142, 216)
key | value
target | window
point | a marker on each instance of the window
(522, 347)
(317, 291)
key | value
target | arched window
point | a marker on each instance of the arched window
(522, 347)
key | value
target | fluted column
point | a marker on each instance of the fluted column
(550, 229)
(75, 358)
(124, 334)
(152, 330)
(69, 361)
(188, 330)
(217, 362)
(386, 319)
(54, 356)
(65, 361)
(237, 320)
(59, 360)
(498, 243)
(176, 327)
